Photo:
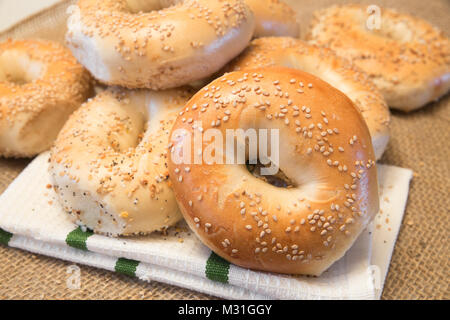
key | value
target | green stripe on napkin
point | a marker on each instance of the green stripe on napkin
(126, 266)
(217, 268)
(5, 236)
(77, 238)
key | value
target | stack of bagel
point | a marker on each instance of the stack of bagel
(168, 70)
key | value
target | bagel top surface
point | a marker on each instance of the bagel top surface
(406, 57)
(325, 151)
(326, 65)
(41, 83)
(157, 44)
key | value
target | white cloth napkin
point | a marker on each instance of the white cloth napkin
(32, 219)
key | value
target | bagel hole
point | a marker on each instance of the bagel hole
(18, 68)
(145, 6)
(13, 78)
(262, 164)
(279, 180)
(393, 30)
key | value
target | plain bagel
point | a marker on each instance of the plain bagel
(109, 163)
(407, 58)
(323, 63)
(157, 44)
(274, 18)
(325, 151)
(41, 84)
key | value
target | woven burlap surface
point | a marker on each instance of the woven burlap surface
(420, 264)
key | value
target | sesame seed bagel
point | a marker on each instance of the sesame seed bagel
(157, 44)
(41, 84)
(323, 63)
(109, 163)
(407, 58)
(274, 18)
(325, 152)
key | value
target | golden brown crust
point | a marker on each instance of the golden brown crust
(109, 162)
(41, 84)
(407, 58)
(325, 64)
(158, 49)
(274, 18)
(325, 148)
